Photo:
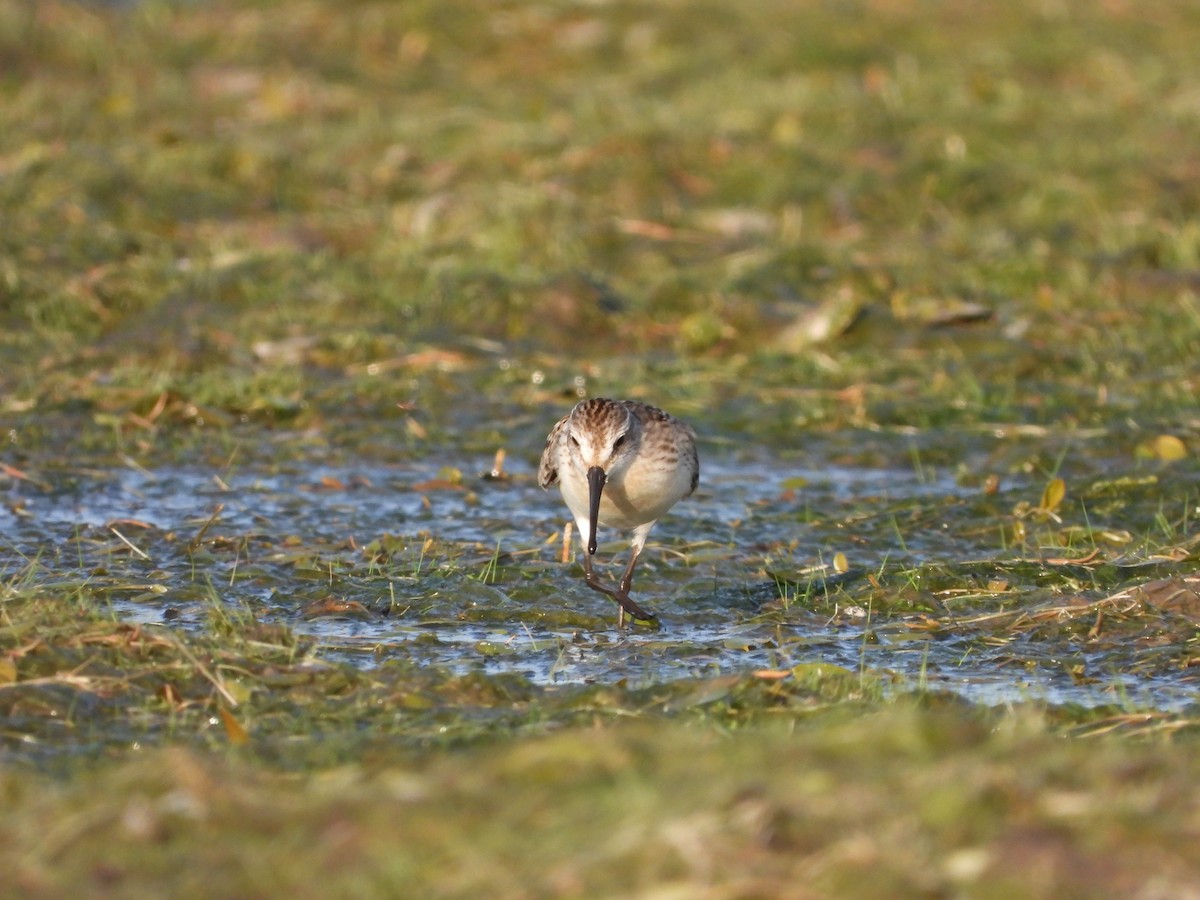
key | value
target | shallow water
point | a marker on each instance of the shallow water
(470, 579)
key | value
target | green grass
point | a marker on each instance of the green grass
(238, 763)
(958, 808)
(956, 240)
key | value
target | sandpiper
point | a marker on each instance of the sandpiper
(621, 464)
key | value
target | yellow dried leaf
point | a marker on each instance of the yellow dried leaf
(1169, 448)
(8, 670)
(233, 728)
(840, 563)
(772, 674)
(1052, 496)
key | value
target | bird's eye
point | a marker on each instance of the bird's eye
(618, 442)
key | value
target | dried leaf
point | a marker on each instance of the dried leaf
(233, 728)
(1052, 496)
(1180, 596)
(335, 606)
(23, 476)
(832, 317)
(1092, 558)
(772, 674)
(289, 351)
(740, 644)
(1169, 448)
(641, 228)
(938, 312)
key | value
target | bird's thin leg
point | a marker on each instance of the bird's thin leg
(621, 595)
(627, 578)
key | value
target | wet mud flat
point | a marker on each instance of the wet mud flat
(910, 577)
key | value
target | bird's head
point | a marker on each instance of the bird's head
(601, 438)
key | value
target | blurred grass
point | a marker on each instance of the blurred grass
(958, 809)
(185, 185)
(773, 218)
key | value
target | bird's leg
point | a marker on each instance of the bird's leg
(627, 578)
(627, 582)
(621, 595)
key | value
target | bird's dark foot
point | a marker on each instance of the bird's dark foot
(623, 599)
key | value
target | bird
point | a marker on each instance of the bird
(621, 464)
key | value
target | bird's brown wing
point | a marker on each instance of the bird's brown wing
(647, 413)
(695, 466)
(548, 467)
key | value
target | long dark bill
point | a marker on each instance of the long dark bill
(596, 479)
